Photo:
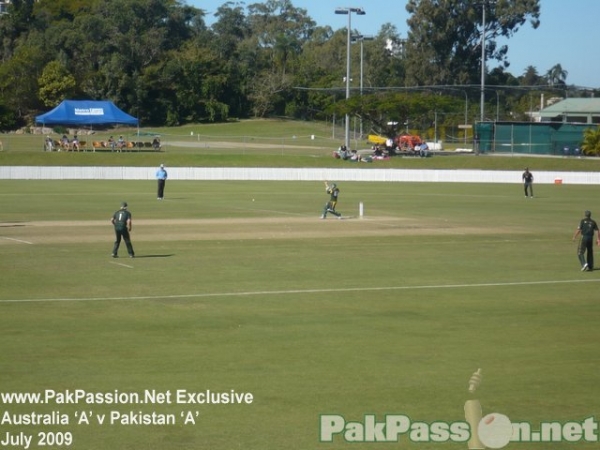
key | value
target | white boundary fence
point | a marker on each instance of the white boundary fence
(288, 174)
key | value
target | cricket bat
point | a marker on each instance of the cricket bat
(473, 413)
(473, 417)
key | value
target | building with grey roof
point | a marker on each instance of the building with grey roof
(573, 110)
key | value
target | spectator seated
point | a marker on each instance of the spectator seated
(75, 144)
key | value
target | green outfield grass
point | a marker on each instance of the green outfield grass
(240, 286)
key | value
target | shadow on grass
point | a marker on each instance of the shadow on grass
(153, 256)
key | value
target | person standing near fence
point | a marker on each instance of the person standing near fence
(161, 176)
(121, 221)
(528, 182)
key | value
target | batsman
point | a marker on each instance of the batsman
(334, 193)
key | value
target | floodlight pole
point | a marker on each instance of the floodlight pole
(482, 105)
(361, 38)
(466, 114)
(348, 11)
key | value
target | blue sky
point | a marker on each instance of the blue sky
(569, 33)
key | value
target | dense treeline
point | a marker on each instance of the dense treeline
(161, 62)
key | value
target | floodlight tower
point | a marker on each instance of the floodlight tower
(348, 11)
(361, 38)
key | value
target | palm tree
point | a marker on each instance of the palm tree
(556, 76)
(591, 142)
(530, 77)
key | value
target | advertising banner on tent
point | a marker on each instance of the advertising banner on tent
(86, 112)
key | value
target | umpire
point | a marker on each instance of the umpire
(121, 220)
(161, 176)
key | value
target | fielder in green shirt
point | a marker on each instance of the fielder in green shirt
(585, 249)
(121, 221)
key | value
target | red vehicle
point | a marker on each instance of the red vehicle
(407, 142)
(403, 143)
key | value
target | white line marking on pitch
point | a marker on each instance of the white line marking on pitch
(121, 264)
(17, 240)
(301, 291)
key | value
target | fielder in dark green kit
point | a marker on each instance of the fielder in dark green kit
(121, 220)
(585, 249)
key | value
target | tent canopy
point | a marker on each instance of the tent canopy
(86, 112)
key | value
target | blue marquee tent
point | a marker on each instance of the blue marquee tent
(86, 112)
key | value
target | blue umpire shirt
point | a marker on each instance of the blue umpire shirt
(161, 174)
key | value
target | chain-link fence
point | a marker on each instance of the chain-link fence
(535, 138)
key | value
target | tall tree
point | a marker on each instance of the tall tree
(18, 80)
(556, 76)
(231, 42)
(385, 62)
(445, 36)
(280, 30)
(56, 84)
(230, 29)
(530, 77)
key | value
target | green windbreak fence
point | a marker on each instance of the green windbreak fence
(536, 138)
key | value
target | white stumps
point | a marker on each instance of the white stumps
(361, 210)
